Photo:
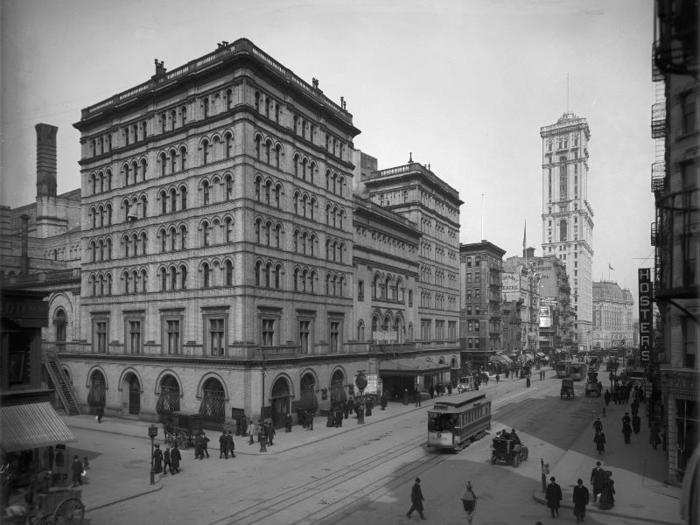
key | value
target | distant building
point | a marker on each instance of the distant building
(567, 215)
(556, 323)
(613, 310)
(521, 283)
(480, 285)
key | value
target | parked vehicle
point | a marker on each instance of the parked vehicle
(567, 388)
(465, 384)
(181, 428)
(453, 423)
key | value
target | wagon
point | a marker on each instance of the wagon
(507, 451)
(58, 506)
(567, 389)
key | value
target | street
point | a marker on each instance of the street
(363, 475)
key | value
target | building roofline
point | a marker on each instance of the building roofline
(415, 168)
(482, 245)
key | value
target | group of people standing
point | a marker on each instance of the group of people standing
(169, 459)
(265, 432)
(603, 490)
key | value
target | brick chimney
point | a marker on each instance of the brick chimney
(45, 160)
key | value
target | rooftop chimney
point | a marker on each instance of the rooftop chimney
(45, 160)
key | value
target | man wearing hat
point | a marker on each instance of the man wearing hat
(416, 500)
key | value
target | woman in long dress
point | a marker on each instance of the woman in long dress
(469, 501)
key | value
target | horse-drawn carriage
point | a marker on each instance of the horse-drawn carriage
(56, 506)
(181, 428)
(567, 388)
(508, 450)
(594, 388)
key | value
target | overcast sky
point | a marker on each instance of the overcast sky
(465, 86)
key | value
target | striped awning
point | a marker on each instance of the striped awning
(30, 426)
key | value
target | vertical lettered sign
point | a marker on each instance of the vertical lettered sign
(646, 314)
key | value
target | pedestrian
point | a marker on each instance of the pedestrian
(626, 428)
(310, 419)
(553, 497)
(288, 423)
(597, 478)
(77, 471)
(205, 444)
(100, 413)
(498, 378)
(527, 381)
(253, 432)
(175, 458)
(417, 500)
(166, 461)
(416, 398)
(636, 423)
(654, 437)
(360, 415)
(231, 444)
(469, 501)
(262, 438)
(382, 400)
(581, 498)
(597, 425)
(606, 397)
(405, 396)
(607, 497)
(157, 460)
(223, 445)
(198, 447)
(599, 441)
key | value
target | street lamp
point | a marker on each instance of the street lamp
(152, 433)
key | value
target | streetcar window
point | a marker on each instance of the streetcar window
(441, 422)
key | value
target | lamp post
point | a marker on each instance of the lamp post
(152, 433)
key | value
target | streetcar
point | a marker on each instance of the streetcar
(455, 422)
(577, 371)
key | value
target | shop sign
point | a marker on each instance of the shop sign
(646, 314)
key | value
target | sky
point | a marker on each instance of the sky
(464, 86)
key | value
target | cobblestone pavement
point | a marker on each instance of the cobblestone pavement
(356, 474)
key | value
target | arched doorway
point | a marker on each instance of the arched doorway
(280, 401)
(131, 394)
(213, 405)
(338, 387)
(97, 394)
(169, 398)
(308, 400)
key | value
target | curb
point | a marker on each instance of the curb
(126, 498)
(540, 499)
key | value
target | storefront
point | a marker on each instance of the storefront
(411, 374)
(682, 418)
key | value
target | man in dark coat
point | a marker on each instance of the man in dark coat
(416, 500)
(553, 497)
(166, 461)
(231, 445)
(100, 413)
(76, 469)
(606, 397)
(597, 425)
(223, 445)
(157, 460)
(599, 441)
(175, 458)
(205, 444)
(607, 497)
(581, 498)
(626, 428)
(597, 475)
(262, 437)
(636, 423)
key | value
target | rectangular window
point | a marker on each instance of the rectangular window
(268, 332)
(216, 336)
(477, 277)
(304, 331)
(410, 298)
(100, 331)
(172, 336)
(425, 329)
(133, 336)
(452, 330)
(469, 277)
(439, 330)
(334, 335)
(469, 262)
(689, 335)
(360, 290)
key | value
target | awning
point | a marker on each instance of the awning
(31, 426)
(411, 366)
(502, 359)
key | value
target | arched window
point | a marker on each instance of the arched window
(144, 207)
(303, 168)
(257, 101)
(257, 230)
(93, 252)
(205, 233)
(205, 152)
(278, 273)
(126, 242)
(258, 267)
(258, 139)
(304, 277)
(183, 237)
(563, 226)
(163, 240)
(173, 238)
(229, 187)
(341, 183)
(163, 280)
(268, 227)
(183, 198)
(229, 273)
(127, 282)
(268, 271)
(296, 165)
(163, 202)
(163, 165)
(173, 278)
(296, 279)
(183, 158)
(268, 187)
(257, 188)
(144, 165)
(205, 192)
(173, 161)
(296, 241)
(278, 150)
(173, 199)
(144, 279)
(303, 205)
(228, 229)
(296, 203)
(205, 275)
(268, 147)
(312, 243)
(183, 277)
(109, 249)
(229, 98)
(125, 170)
(278, 231)
(278, 191)
(361, 330)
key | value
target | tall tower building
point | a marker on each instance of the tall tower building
(567, 216)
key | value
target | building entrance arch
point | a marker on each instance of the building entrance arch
(280, 401)
(131, 394)
(338, 387)
(213, 406)
(307, 390)
(169, 398)
(97, 395)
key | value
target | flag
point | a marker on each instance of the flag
(610, 267)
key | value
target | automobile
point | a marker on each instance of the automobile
(465, 384)
(507, 451)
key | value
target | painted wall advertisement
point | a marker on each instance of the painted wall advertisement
(545, 317)
(646, 315)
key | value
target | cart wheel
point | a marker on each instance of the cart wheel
(69, 510)
(516, 461)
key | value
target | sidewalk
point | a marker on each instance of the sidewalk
(283, 441)
(639, 471)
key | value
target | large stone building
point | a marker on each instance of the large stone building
(674, 365)
(567, 215)
(480, 287)
(612, 316)
(556, 321)
(221, 254)
(521, 293)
